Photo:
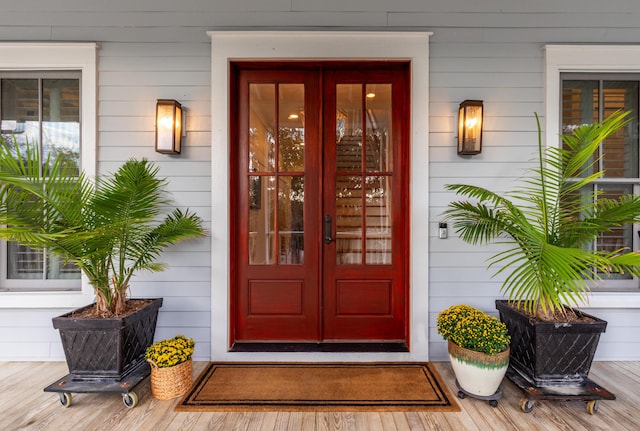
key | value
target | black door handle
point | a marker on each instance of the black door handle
(327, 229)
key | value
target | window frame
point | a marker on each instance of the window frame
(586, 59)
(613, 284)
(36, 284)
(82, 57)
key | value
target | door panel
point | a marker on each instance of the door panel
(321, 184)
(276, 239)
(364, 283)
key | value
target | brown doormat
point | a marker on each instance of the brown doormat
(318, 387)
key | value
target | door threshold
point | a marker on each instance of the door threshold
(321, 347)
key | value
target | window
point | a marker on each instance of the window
(588, 98)
(583, 83)
(43, 109)
(48, 97)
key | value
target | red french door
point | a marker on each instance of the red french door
(320, 203)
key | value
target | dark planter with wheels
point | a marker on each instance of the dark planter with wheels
(108, 348)
(551, 353)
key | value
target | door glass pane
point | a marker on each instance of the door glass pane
(261, 220)
(349, 224)
(291, 220)
(262, 120)
(349, 127)
(379, 144)
(378, 210)
(276, 240)
(291, 127)
(359, 216)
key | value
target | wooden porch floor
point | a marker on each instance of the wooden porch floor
(25, 406)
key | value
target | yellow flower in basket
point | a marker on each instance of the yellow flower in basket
(168, 353)
(171, 366)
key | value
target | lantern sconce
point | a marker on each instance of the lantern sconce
(470, 127)
(170, 120)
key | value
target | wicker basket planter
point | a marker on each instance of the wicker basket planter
(171, 382)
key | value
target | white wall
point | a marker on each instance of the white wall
(152, 49)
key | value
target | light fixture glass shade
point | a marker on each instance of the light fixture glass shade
(168, 126)
(470, 127)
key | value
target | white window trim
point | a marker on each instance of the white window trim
(59, 56)
(584, 59)
(318, 45)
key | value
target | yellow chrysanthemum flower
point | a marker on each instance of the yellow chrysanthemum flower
(473, 329)
(168, 353)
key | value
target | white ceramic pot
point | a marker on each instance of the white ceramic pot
(478, 373)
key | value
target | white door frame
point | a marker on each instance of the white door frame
(227, 46)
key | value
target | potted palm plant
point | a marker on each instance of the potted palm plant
(548, 227)
(110, 229)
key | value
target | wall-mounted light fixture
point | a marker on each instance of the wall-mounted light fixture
(470, 127)
(169, 126)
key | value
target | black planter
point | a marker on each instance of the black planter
(550, 353)
(107, 348)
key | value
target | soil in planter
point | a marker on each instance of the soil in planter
(569, 315)
(132, 305)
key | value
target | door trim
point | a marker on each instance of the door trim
(320, 347)
(284, 45)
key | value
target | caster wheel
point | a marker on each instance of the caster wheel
(461, 395)
(493, 403)
(526, 405)
(66, 399)
(592, 407)
(130, 399)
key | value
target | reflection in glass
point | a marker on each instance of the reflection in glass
(61, 119)
(58, 130)
(46, 113)
(378, 137)
(291, 220)
(261, 220)
(276, 200)
(359, 216)
(621, 148)
(349, 127)
(291, 127)
(20, 111)
(349, 223)
(620, 237)
(24, 262)
(378, 210)
(582, 102)
(262, 120)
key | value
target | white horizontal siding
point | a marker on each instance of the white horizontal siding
(152, 49)
(28, 335)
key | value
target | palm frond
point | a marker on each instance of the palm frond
(109, 230)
